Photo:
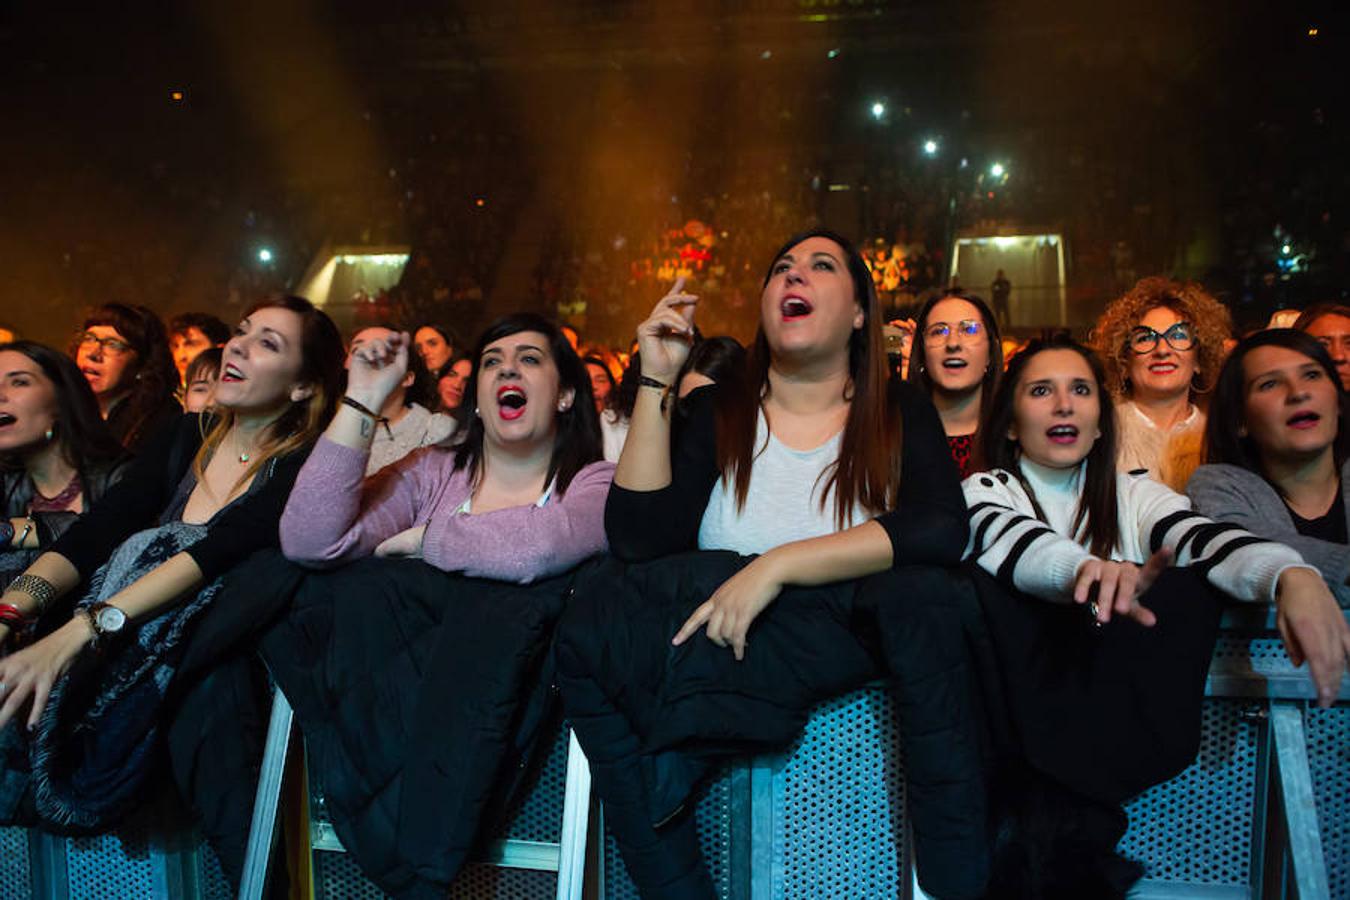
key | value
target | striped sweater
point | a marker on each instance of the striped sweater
(1009, 540)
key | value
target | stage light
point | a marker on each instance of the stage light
(997, 170)
(176, 96)
(264, 255)
(930, 147)
(1312, 32)
(1286, 249)
(832, 54)
(878, 110)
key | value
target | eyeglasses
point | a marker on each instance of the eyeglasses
(966, 329)
(110, 345)
(1144, 339)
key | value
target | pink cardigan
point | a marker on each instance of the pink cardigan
(335, 514)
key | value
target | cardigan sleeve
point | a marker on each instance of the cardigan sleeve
(336, 514)
(1009, 542)
(525, 543)
(1233, 494)
(929, 522)
(1234, 560)
(643, 525)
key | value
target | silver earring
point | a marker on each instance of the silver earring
(49, 434)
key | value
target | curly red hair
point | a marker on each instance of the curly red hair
(1210, 318)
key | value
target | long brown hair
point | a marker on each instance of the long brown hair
(321, 354)
(867, 471)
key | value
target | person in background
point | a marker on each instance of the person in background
(1278, 451)
(123, 352)
(959, 364)
(1000, 291)
(403, 424)
(1163, 344)
(434, 345)
(193, 333)
(57, 457)
(602, 382)
(451, 381)
(714, 360)
(1330, 324)
(199, 381)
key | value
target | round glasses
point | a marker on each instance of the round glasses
(965, 330)
(1144, 339)
(109, 345)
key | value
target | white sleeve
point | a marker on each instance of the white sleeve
(1010, 543)
(1237, 562)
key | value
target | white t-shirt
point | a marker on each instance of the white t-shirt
(783, 503)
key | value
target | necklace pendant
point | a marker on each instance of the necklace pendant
(243, 457)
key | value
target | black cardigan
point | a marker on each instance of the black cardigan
(140, 498)
(928, 525)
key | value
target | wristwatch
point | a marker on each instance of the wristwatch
(106, 620)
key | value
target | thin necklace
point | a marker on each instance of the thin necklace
(243, 454)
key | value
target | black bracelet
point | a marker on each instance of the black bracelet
(644, 381)
(365, 411)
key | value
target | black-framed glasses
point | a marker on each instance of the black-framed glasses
(965, 330)
(1143, 339)
(110, 345)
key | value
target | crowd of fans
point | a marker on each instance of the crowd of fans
(839, 453)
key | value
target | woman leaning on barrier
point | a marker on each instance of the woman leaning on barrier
(789, 547)
(85, 704)
(1103, 644)
(1278, 450)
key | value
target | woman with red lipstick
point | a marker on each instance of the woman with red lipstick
(1277, 450)
(959, 363)
(1163, 343)
(123, 352)
(787, 547)
(1103, 645)
(76, 750)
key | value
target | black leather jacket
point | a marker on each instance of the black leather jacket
(16, 492)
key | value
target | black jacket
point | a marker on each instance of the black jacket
(420, 694)
(16, 492)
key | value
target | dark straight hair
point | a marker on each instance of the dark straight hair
(1228, 408)
(577, 442)
(86, 442)
(918, 363)
(152, 378)
(1095, 523)
(867, 471)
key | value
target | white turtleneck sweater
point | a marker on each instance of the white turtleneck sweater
(1010, 540)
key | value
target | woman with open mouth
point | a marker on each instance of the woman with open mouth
(57, 457)
(1163, 346)
(1278, 450)
(1102, 601)
(421, 665)
(81, 707)
(123, 353)
(959, 363)
(787, 548)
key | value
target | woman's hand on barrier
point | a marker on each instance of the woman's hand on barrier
(1314, 629)
(404, 544)
(376, 367)
(665, 337)
(30, 673)
(732, 608)
(1119, 586)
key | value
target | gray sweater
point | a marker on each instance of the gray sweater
(1242, 497)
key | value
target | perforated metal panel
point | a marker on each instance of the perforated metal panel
(112, 865)
(540, 815)
(713, 815)
(14, 870)
(839, 799)
(1328, 733)
(210, 877)
(337, 877)
(1197, 828)
(478, 882)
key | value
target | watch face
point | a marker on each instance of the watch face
(111, 619)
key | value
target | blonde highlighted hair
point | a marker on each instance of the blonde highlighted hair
(303, 421)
